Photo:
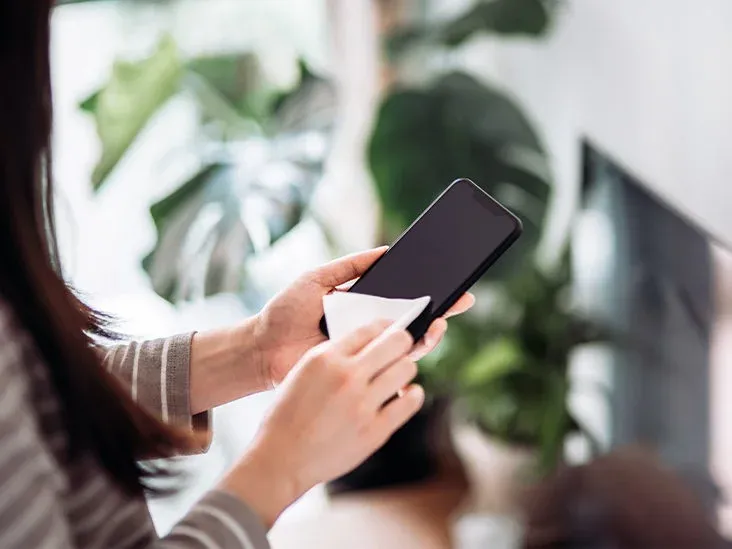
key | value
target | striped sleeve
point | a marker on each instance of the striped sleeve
(31, 510)
(219, 521)
(157, 373)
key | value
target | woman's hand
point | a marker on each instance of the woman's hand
(288, 325)
(330, 415)
(257, 354)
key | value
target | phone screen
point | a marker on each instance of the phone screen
(443, 249)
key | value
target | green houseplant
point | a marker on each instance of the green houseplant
(508, 369)
(426, 135)
(258, 157)
(456, 125)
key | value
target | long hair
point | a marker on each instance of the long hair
(99, 415)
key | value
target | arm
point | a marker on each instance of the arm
(220, 521)
(227, 365)
(180, 378)
(213, 368)
(157, 373)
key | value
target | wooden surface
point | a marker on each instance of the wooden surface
(416, 517)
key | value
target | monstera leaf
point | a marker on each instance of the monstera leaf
(425, 138)
(227, 212)
(124, 106)
(261, 155)
(231, 91)
(497, 17)
(238, 78)
(503, 17)
(242, 203)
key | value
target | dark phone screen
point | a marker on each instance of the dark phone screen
(442, 249)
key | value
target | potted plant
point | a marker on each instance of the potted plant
(426, 135)
(507, 371)
(259, 153)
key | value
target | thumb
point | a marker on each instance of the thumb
(346, 268)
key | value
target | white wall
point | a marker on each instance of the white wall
(649, 80)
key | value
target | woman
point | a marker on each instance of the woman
(75, 421)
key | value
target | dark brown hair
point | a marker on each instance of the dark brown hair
(99, 415)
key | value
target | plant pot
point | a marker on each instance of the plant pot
(496, 472)
(414, 453)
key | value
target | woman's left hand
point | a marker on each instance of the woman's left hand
(289, 325)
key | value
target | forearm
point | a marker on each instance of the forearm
(225, 366)
(263, 481)
(222, 520)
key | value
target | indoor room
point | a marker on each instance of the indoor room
(548, 335)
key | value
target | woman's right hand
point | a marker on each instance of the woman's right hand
(329, 417)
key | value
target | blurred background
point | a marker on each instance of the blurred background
(209, 151)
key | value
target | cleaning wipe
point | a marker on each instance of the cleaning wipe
(346, 312)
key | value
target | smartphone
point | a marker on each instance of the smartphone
(443, 253)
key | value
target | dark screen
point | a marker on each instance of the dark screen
(443, 249)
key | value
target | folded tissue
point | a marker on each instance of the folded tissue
(345, 312)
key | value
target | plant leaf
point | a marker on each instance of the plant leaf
(555, 423)
(493, 361)
(89, 105)
(257, 190)
(173, 216)
(511, 409)
(499, 17)
(234, 76)
(124, 106)
(227, 212)
(458, 127)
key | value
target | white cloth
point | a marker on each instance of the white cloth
(345, 312)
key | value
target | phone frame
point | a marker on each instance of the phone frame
(421, 324)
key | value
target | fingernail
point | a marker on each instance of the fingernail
(417, 393)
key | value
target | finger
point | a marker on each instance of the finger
(392, 380)
(399, 411)
(383, 351)
(346, 268)
(462, 305)
(431, 339)
(357, 340)
(346, 285)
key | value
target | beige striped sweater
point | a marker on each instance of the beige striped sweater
(47, 503)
